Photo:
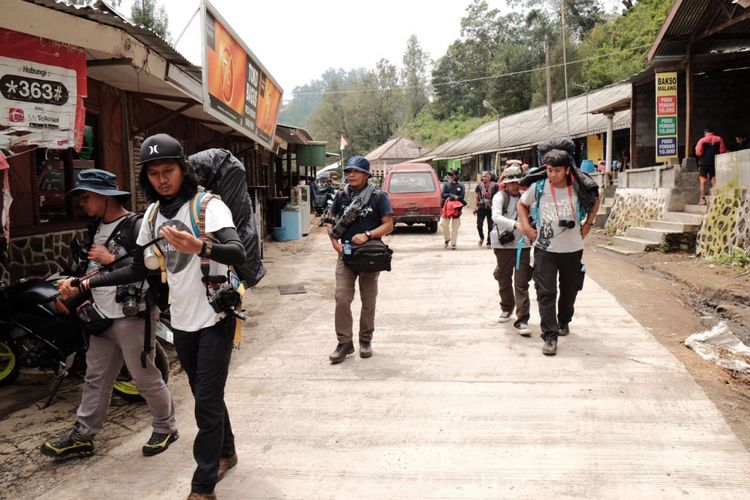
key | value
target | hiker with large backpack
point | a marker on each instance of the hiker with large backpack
(513, 269)
(117, 324)
(199, 242)
(561, 222)
(706, 150)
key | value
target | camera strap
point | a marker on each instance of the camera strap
(552, 190)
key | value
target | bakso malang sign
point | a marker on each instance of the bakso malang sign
(666, 116)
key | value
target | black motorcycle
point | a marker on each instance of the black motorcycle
(323, 198)
(36, 331)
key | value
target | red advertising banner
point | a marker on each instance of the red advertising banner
(42, 87)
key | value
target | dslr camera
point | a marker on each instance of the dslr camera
(128, 296)
(506, 237)
(225, 299)
(567, 224)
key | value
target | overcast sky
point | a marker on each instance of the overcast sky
(298, 40)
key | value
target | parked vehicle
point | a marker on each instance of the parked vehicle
(323, 196)
(414, 191)
(35, 333)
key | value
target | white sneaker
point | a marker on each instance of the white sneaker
(523, 329)
(504, 317)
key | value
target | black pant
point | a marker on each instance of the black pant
(484, 213)
(204, 355)
(547, 267)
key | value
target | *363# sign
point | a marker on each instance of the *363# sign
(42, 85)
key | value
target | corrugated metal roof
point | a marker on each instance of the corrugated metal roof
(400, 148)
(528, 128)
(102, 13)
(293, 135)
(716, 26)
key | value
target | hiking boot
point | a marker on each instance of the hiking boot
(68, 445)
(158, 443)
(481, 242)
(489, 245)
(225, 464)
(365, 350)
(563, 330)
(453, 246)
(504, 317)
(446, 243)
(342, 350)
(201, 496)
(523, 329)
(550, 347)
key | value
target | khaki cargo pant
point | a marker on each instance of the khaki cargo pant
(368, 293)
(450, 228)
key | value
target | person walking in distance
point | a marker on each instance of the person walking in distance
(200, 284)
(706, 150)
(114, 234)
(558, 244)
(483, 194)
(454, 199)
(512, 280)
(373, 220)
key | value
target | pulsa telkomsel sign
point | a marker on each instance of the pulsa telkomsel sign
(666, 116)
(237, 89)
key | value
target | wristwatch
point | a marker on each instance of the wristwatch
(368, 234)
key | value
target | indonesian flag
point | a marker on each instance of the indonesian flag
(344, 143)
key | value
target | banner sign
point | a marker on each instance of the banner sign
(42, 87)
(666, 116)
(237, 89)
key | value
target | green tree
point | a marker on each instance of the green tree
(414, 77)
(618, 47)
(146, 13)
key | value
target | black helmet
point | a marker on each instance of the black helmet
(161, 147)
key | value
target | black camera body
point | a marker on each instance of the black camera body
(225, 299)
(506, 237)
(567, 224)
(128, 296)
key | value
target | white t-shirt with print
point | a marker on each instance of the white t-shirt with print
(564, 206)
(189, 307)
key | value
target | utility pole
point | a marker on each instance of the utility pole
(549, 78)
(565, 64)
(487, 105)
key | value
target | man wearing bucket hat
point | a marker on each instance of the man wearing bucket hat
(122, 338)
(513, 270)
(203, 330)
(373, 221)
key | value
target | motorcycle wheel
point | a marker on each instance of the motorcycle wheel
(9, 364)
(125, 386)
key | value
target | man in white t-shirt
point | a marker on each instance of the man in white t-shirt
(123, 340)
(197, 274)
(558, 245)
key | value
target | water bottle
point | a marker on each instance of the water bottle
(150, 259)
(347, 248)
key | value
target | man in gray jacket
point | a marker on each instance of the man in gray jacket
(505, 236)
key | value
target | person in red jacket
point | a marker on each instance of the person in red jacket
(706, 150)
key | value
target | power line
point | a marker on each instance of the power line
(470, 80)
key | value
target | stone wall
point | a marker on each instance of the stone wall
(39, 255)
(725, 229)
(636, 206)
(733, 169)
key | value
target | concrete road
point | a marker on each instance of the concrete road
(452, 405)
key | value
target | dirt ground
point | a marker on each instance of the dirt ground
(674, 295)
